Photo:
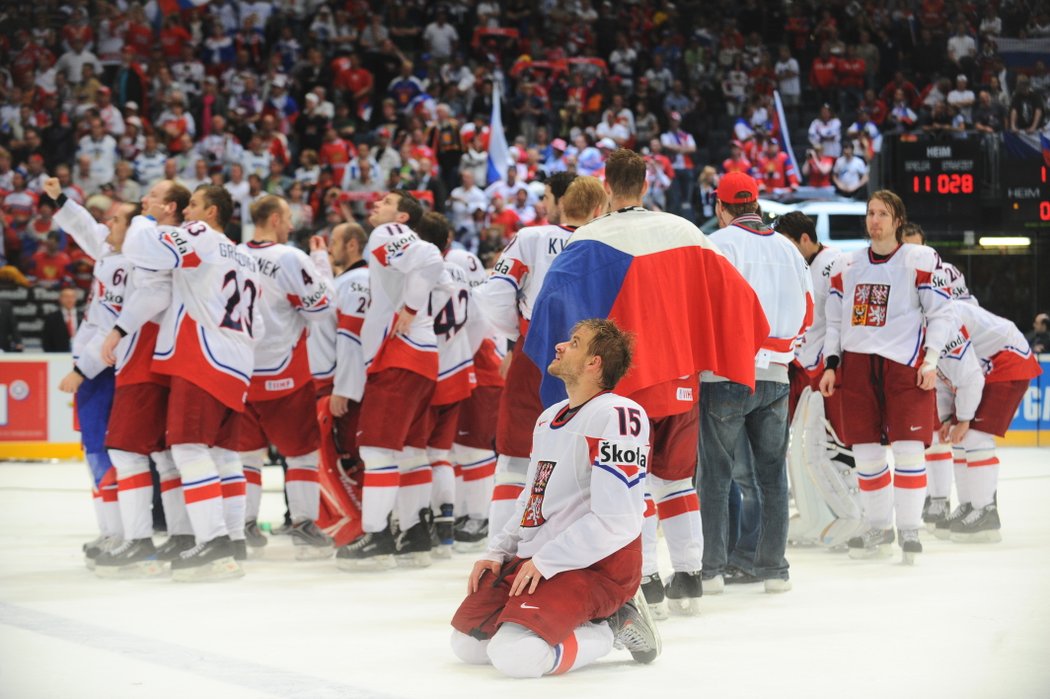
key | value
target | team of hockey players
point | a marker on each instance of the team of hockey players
(390, 371)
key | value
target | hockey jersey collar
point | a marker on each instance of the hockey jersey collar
(752, 223)
(877, 259)
(567, 413)
(260, 244)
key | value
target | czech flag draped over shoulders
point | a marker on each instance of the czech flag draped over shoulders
(660, 279)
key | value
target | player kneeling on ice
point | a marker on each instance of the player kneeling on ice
(558, 588)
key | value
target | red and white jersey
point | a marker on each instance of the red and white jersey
(483, 340)
(583, 498)
(810, 352)
(352, 298)
(110, 274)
(506, 298)
(402, 271)
(949, 277)
(960, 381)
(888, 306)
(147, 297)
(449, 305)
(293, 294)
(777, 272)
(320, 340)
(209, 332)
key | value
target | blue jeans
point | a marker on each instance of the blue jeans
(748, 503)
(728, 409)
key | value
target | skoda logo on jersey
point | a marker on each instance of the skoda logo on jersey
(626, 462)
(957, 346)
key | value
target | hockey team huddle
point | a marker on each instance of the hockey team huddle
(547, 413)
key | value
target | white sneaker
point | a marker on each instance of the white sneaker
(778, 585)
(713, 586)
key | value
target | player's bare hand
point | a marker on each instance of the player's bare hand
(52, 187)
(70, 382)
(338, 404)
(504, 366)
(959, 431)
(318, 243)
(944, 431)
(109, 346)
(404, 321)
(479, 570)
(827, 383)
(926, 379)
(527, 577)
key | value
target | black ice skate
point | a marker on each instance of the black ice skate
(213, 560)
(910, 545)
(979, 526)
(634, 629)
(684, 593)
(935, 510)
(93, 549)
(653, 591)
(870, 544)
(413, 544)
(310, 542)
(943, 529)
(131, 559)
(174, 546)
(254, 536)
(370, 551)
(444, 534)
(471, 534)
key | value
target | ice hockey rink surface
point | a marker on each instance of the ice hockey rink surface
(966, 621)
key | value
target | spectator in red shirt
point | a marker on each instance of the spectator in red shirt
(172, 38)
(736, 162)
(823, 77)
(899, 82)
(502, 218)
(876, 107)
(335, 153)
(49, 265)
(852, 71)
(817, 168)
(356, 83)
(778, 176)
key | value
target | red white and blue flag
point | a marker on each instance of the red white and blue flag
(173, 7)
(688, 308)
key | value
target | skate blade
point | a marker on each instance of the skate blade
(991, 536)
(133, 571)
(417, 559)
(943, 534)
(443, 551)
(909, 558)
(354, 565)
(686, 606)
(659, 610)
(468, 546)
(221, 569)
(880, 551)
(89, 563)
(313, 553)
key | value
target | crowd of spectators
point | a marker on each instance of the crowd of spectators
(330, 103)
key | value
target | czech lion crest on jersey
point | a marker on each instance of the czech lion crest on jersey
(870, 302)
(533, 516)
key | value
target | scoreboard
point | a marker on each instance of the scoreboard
(940, 177)
(1026, 189)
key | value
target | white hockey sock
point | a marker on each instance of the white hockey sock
(939, 468)
(413, 494)
(110, 505)
(303, 486)
(379, 491)
(873, 479)
(96, 506)
(586, 644)
(134, 492)
(509, 482)
(201, 489)
(443, 477)
(178, 520)
(469, 649)
(962, 473)
(982, 467)
(518, 652)
(253, 465)
(909, 483)
(234, 492)
(474, 488)
(678, 507)
(650, 524)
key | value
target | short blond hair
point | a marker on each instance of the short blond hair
(583, 196)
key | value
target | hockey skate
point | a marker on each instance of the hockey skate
(93, 549)
(413, 544)
(910, 545)
(979, 526)
(943, 529)
(684, 593)
(470, 534)
(871, 544)
(211, 561)
(240, 550)
(310, 543)
(653, 591)
(935, 510)
(443, 533)
(370, 551)
(634, 629)
(175, 545)
(254, 538)
(132, 559)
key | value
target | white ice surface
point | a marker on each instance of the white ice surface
(966, 621)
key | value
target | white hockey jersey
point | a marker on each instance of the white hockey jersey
(320, 339)
(889, 307)
(506, 298)
(402, 272)
(584, 495)
(949, 277)
(485, 342)
(293, 294)
(810, 351)
(777, 272)
(209, 332)
(450, 305)
(352, 298)
(106, 298)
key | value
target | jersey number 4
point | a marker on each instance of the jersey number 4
(237, 317)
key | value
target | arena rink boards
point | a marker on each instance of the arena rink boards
(967, 620)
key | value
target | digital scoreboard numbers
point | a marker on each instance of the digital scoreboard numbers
(1026, 189)
(939, 179)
